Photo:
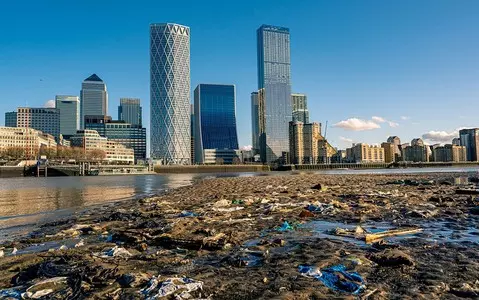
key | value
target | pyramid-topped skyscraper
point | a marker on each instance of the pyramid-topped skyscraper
(93, 98)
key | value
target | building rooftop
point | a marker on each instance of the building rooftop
(94, 77)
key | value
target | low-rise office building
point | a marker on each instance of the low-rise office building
(28, 139)
(364, 153)
(114, 151)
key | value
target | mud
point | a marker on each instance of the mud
(227, 238)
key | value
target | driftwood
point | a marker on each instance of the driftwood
(370, 237)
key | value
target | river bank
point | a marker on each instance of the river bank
(269, 237)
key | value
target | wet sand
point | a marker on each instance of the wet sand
(245, 238)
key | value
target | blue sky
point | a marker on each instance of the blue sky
(405, 68)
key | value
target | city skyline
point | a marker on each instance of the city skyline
(353, 77)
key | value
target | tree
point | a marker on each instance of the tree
(96, 155)
(236, 161)
(13, 153)
(220, 161)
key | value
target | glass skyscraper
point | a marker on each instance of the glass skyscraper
(69, 107)
(274, 77)
(130, 111)
(215, 118)
(300, 108)
(93, 98)
(170, 93)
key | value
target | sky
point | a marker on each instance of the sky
(370, 68)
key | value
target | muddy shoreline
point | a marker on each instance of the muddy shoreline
(247, 238)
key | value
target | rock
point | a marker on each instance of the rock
(306, 214)
(222, 203)
(316, 186)
(133, 280)
(393, 258)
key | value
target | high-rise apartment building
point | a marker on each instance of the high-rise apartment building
(257, 122)
(449, 153)
(470, 139)
(215, 119)
(11, 119)
(170, 93)
(396, 141)
(129, 135)
(389, 152)
(93, 98)
(300, 108)
(192, 133)
(46, 120)
(274, 77)
(69, 107)
(416, 152)
(130, 111)
(304, 142)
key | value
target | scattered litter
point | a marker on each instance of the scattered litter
(231, 209)
(12, 293)
(371, 237)
(336, 278)
(2, 253)
(180, 287)
(46, 287)
(237, 202)
(14, 251)
(79, 244)
(222, 203)
(63, 247)
(114, 252)
(187, 214)
(285, 227)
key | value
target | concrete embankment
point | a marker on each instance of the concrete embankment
(211, 169)
(11, 171)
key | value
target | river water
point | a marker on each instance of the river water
(29, 201)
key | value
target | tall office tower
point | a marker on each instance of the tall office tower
(255, 122)
(46, 120)
(215, 120)
(170, 93)
(130, 111)
(470, 139)
(93, 98)
(192, 133)
(11, 119)
(300, 108)
(274, 77)
(69, 107)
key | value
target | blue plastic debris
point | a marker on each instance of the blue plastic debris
(314, 208)
(187, 214)
(285, 227)
(349, 282)
(10, 294)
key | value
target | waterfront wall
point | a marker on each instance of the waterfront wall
(211, 169)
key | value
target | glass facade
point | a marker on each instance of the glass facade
(170, 139)
(130, 111)
(93, 98)
(215, 118)
(11, 119)
(470, 139)
(300, 108)
(131, 136)
(69, 107)
(274, 76)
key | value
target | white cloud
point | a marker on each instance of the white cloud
(440, 136)
(393, 124)
(356, 124)
(246, 148)
(378, 119)
(344, 139)
(49, 104)
(405, 118)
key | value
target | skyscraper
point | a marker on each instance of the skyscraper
(46, 120)
(93, 98)
(470, 139)
(274, 77)
(300, 108)
(255, 121)
(170, 93)
(130, 111)
(69, 107)
(215, 119)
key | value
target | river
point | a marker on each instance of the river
(29, 201)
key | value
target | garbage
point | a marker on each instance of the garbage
(80, 244)
(306, 214)
(133, 279)
(222, 203)
(114, 252)
(238, 202)
(46, 287)
(2, 253)
(317, 187)
(180, 287)
(187, 214)
(12, 293)
(285, 227)
(231, 209)
(371, 237)
(63, 247)
(14, 251)
(336, 278)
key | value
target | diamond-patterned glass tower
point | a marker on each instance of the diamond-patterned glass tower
(170, 93)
